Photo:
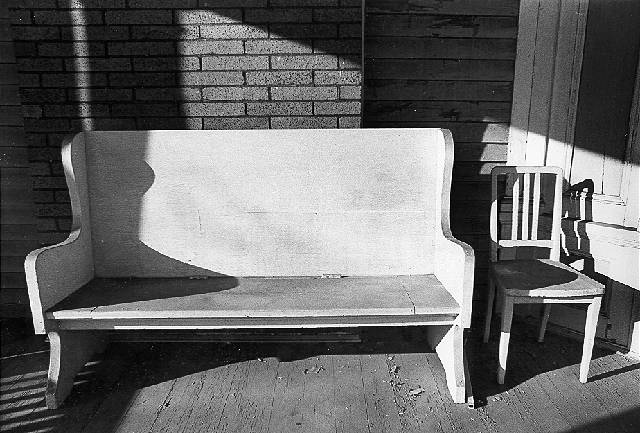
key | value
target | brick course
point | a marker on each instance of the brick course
(180, 64)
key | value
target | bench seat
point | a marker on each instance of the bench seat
(218, 299)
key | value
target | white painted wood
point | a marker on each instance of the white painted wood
(298, 202)
(158, 298)
(458, 280)
(448, 343)
(55, 272)
(70, 351)
(589, 336)
(505, 335)
(515, 209)
(526, 192)
(536, 206)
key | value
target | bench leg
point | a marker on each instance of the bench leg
(70, 351)
(449, 345)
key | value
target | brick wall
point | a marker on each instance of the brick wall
(178, 64)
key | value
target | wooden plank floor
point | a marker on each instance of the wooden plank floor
(386, 383)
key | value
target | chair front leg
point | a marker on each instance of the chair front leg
(593, 311)
(487, 318)
(505, 334)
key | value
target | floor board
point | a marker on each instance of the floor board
(388, 382)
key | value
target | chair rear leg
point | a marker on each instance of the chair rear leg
(543, 322)
(70, 351)
(593, 311)
(489, 313)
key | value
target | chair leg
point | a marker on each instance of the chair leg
(489, 313)
(507, 316)
(543, 322)
(589, 336)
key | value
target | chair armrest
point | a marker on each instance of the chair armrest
(454, 268)
(56, 271)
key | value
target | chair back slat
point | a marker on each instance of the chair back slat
(525, 205)
(536, 206)
(525, 221)
(515, 207)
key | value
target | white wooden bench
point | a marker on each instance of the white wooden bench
(253, 229)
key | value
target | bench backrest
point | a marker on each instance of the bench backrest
(265, 203)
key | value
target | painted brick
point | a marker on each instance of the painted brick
(337, 77)
(31, 4)
(140, 48)
(280, 78)
(219, 16)
(232, 31)
(279, 108)
(168, 94)
(94, 33)
(33, 111)
(236, 123)
(77, 110)
(43, 196)
(233, 3)
(165, 32)
(104, 124)
(75, 17)
(19, 17)
(98, 64)
(100, 94)
(91, 4)
(46, 125)
(303, 3)
(350, 92)
(318, 61)
(29, 80)
(350, 62)
(219, 63)
(301, 31)
(337, 15)
(141, 79)
(353, 30)
(52, 210)
(277, 15)
(144, 109)
(61, 197)
(308, 122)
(337, 46)
(43, 153)
(70, 79)
(235, 93)
(34, 33)
(210, 47)
(211, 78)
(36, 96)
(62, 224)
(139, 17)
(277, 46)
(304, 93)
(25, 49)
(336, 108)
(351, 3)
(169, 123)
(41, 169)
(39, 64)
(166, 64)
(71, 49)
(163, 4)
(209, 109)
(48, 182)
(349, 122)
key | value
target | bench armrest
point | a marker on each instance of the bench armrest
(454, 268)
(56, 271)
(454, 259)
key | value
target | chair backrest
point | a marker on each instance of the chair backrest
(524, 185)
(265, 203)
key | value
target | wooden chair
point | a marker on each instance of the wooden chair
(544, 281)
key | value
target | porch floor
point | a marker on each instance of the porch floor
(386, 383)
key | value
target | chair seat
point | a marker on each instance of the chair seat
(542, 278)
